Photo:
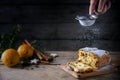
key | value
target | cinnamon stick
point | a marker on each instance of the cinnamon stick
(36, 52)
(40, 55)
(47, 58)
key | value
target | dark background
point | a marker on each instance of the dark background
(53, 24)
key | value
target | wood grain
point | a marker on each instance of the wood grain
(52, 72)
(84, 75)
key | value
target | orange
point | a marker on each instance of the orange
(25, 51)
(10, 57)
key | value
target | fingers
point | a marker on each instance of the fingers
(105, 9)
(99, 6)
(103, 6)
(92, 7)
(109, 4)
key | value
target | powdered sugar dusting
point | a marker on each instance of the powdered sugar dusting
(89, 49)
(99, 52)
(96, 51)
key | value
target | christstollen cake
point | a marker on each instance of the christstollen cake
(78, 66)
(90, 59)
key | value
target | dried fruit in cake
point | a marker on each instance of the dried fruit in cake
(90, 59)
(96, 57)
(80, 67)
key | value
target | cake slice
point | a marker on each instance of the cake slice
(80, 67)
(90, 59)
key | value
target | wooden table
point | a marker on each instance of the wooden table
(53, 71)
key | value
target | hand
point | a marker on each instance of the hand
(99, 6)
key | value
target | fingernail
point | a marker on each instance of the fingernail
(99, 10)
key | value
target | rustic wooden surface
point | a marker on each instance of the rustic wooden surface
(53, 23)
(53, 71)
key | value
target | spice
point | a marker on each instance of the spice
(40, 55)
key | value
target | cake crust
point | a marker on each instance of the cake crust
(90, 59)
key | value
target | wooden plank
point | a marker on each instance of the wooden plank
(65, 31)
(48, 72)
(73, 53)
(47, 1)
(43, 72)
(66, 56)
(94, 73)
(60, 13)
(67, 45)
(41, 1)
